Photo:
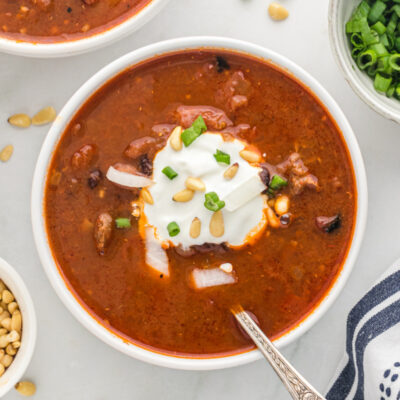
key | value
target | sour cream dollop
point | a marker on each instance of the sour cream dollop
(242, 223)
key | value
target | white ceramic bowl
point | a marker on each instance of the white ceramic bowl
(79, 46)
(22, 359)
(339, 13)
(73, 106)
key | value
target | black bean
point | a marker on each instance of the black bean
(222, 64)
(94, 178)
(145, 165)
(328, 224)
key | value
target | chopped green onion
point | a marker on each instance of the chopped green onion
(222, 157)
(374, 38)
(212, 202)
(376, 11)
(191, 134)
(122, 223)
(394, 62)
(277, 182)
(381, 83)
(173, 229)
(169, 172)
(366, 59)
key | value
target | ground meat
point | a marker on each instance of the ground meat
(241, 130)
(213, 117)
(328, 224)
(84, 157)
(299, 183)
(293, 164)
(162, 130)
(238, 101)
(140, 146)
(103, 229)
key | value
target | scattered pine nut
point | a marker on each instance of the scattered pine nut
(147, 197)
(175, 139)
(217, 228)
(282, 205)
(183, 196)
(195, 228)
(273, 219)
(11, 350)
(231, 171)
(6, 360)
(6, 153)
(226, 267)
(12, 307)
(195, 184)
(250, 156)
(16, 321)
(44, 116)
(20, 120)
(277, 12)
(26, 388)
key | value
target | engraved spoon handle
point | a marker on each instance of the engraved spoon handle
(297, 386)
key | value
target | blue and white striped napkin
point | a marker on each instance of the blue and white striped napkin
(370, 368)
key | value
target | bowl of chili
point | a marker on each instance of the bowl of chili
(179, 358)
(47, 29)
(364, 37)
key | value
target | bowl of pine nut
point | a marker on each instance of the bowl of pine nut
(17, 327)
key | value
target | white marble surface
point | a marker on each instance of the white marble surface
(69, 363)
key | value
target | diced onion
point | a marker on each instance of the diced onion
(156, 256)
(126, 179)
(203, 278)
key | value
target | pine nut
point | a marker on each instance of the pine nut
(6, 323)
(13, 336)
(147, 197)
(3, 331)
(183, 196)
(231, 171)
(44, 116)
(250, 156)
(273, 219)
(277, 12)
(7, 296)
(26, 388)
(4, 315)
(195, 228)
(12, 307)
(195, 184)
(2, 286)
(4, 341)
(16, 344)
(282, 205)
(226, 267)
(2, 369)
(7, 360)
(20, 120)
(217, 228)
(6, 153)
(175, 139)
(11, 350)
(16, 321)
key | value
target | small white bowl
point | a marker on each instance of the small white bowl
(74, 104)
(23, 357)
(339, 13)
(88, 43)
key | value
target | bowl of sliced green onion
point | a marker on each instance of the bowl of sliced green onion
(365, 39)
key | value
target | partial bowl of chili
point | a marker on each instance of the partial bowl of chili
(364, 41)
(163, 354)
(48, 29)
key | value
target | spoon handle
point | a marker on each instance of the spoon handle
(297, 386)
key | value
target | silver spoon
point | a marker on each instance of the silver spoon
(297, 386)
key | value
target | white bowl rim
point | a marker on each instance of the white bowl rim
(29, 330)
(73, 105)
(374, 101)
(86, 43)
